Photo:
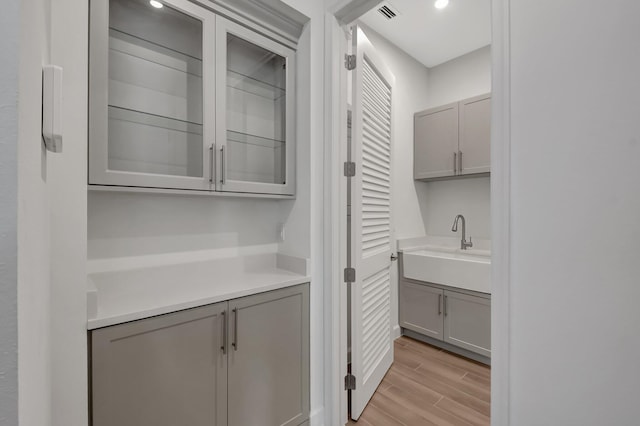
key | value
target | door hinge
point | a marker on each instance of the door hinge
(350, 62)
(349, 168)
(349, 382)
(349, 275)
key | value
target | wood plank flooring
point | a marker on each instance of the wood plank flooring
(429, 386)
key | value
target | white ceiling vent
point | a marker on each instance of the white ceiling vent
(388, 11)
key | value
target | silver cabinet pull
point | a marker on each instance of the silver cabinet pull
(439, 304)
(445, 306)
(235, 329)
(455, 163)
(211, 164)
(224, 332)
(459, 161)
(222, 165)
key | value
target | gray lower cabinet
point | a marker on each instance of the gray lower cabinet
(467, 322)
(458, 318)
(166, 370)
(236, 363)
(421, 309)
(269, 359)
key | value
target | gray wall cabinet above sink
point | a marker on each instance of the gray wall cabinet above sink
(181, 98)
(235, 363)
(453, 140)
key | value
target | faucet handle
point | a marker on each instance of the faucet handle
(470, 243)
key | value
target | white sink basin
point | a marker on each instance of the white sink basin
(466, 269)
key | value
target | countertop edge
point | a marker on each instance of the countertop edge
(95, 323)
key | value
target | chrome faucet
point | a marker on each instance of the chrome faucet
(463, 242)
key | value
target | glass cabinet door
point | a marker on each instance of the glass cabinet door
(254, 97)
(149, 109)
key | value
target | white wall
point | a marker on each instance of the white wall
(447, 198)
(463, 77)
(575, 205)
(134, 224)
(460, 78)
(34, 282)
(9, 38)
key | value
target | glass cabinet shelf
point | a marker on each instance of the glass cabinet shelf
(147, 143)
(245, 138)
(245, 83)
(254, 158)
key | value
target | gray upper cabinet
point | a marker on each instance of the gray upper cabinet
(182, 98)
(475, 135)
(468, 322)
(237, 363)
(150, 116)
(421, 309)
(269, 358)
(436, 142)
(162, 371)
(453, 140)
(254, 106)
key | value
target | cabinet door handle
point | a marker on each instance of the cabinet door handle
(459, 161)
(445, 306)
(235, 329)
(224, 332)
(455, 163)
(211, 164)
(222, 165)
(439, 304)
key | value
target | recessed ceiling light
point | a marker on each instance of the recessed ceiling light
(441, 4)
(158, 5)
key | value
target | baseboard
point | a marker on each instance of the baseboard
(395, 332)
(317, 417)
(446, 346)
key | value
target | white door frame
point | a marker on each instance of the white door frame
(343, 13)
(500, 212)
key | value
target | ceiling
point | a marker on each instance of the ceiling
(434, 36)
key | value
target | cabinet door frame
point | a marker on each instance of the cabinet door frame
(468, 137)
(450, 316)
(235, 338)
(451, 149)
(99, 173)
(101, 356)
(224, 26)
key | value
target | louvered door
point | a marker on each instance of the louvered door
(371, 233)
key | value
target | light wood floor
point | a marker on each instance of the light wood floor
(429, 386)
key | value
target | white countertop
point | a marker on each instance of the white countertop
(119, 296)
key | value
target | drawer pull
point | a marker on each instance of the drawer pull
(235, 329)
(224, 332)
